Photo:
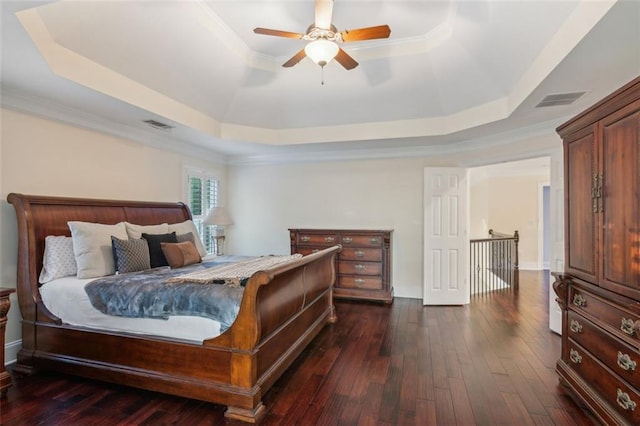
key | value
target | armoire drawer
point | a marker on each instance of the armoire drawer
(618, 321)
(615, 391)
(620, 357)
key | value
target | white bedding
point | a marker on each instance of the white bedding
(67, 299)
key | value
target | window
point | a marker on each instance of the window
(202, 196)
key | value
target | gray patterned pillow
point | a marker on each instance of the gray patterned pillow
(58, 260)
(186, 237)
(130, 255)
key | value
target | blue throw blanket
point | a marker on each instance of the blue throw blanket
(147, 294)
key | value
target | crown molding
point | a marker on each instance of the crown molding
(46, 108)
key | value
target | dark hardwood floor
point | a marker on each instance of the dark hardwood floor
(489, 363)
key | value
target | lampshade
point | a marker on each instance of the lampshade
(321, 51)
(218, 216)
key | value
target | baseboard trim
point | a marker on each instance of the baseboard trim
(11, 350)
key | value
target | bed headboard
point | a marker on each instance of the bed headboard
(39, 216)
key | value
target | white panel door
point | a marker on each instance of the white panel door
(556, 214)
(446, 245)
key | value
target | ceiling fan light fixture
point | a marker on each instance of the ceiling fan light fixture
(321, 51)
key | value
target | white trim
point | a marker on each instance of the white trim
(11, 350)
(541, 186)
(529, 266)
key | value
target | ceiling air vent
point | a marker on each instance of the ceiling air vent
(559, 99)
(158, 125)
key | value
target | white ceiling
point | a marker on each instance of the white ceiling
(453, 73)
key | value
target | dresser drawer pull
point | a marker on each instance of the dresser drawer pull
(359, 253)
(575, 326)
(359, 267)
(579, 300)
(625, 362)
(575, 357)
(627, 326)
(305, 238)
(347, 240)
(373, 240)
(359, 282)
(625, 401)
(329, 239)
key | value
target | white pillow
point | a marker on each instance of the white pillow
(58, 260)
(135, 231)
(189, 226)
(92, 247)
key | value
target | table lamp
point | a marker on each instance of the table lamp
(218, 216)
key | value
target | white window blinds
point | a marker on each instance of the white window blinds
(202, 197)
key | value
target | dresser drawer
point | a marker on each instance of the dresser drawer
(361, 240)
(360, 268)
(616, 392)
(369, 254)
(369, 283)
(621, 358)
(307, 250)
(617, 321)
(324, 240)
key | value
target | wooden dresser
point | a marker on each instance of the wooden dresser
(599, 292)
(364, 265)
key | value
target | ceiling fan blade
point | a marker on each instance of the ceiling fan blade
(369, 33)
(295, 59)
(345, 60)
(277, 33)
(323, 12)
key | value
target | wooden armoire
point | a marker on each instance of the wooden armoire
(599, 292)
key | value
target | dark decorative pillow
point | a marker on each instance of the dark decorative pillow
(155, 250)
(130, 255)
(181, 254)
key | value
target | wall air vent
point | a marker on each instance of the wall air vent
(158, 125)
(559, 99)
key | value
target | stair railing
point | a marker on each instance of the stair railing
(494, 263)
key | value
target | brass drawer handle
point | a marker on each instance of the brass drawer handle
(575, 357)
(359, 267)
(359, 253)
(374, 240)
(305, 238)
(329, 239)
(624, 400)
(579, 301)
(627, 326)
(625, 362)
(359, 282)
(575, 326)
(347, 240)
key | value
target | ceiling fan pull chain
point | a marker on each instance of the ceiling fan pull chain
(322, 76)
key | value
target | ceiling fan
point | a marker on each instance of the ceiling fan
(323, 38)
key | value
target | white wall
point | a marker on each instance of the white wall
(383, 194)
(39, 156)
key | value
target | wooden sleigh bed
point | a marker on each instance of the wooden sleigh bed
(283, 308)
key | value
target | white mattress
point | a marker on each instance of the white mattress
(67, 299)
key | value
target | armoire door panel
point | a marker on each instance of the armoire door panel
(621, 203)
(581, 218)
